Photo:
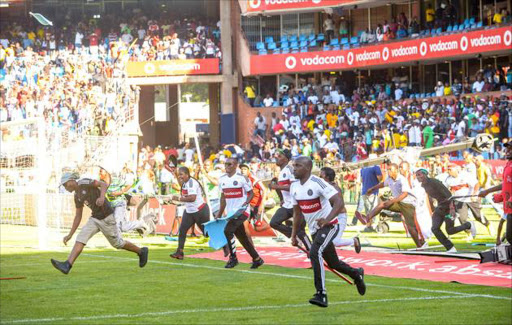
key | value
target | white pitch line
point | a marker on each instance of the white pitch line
(224, 309)
(5, 264)
(302, 277)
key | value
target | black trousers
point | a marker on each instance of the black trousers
(438, 218)
(191, 219)
(508, 230)
(462, 209)
(323, 248)
(278, 223)
(235, 227)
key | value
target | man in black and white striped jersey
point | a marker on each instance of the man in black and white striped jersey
(320, 204)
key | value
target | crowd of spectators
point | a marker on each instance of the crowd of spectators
(319, 121)
(144, 37)
(72, 91)
(443, 17)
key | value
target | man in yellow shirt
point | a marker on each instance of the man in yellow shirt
(250, 92)
(430, 16)
(331, 119)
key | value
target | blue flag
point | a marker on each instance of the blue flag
(215, 229)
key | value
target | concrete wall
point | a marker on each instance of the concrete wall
(146, 113)
(246, 116)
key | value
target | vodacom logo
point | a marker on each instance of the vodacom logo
(350, 58)
(385, 54)
(149, 68)
(507, 38)
(423, 48)
(290, 62)
(255, 4)
(464, 43)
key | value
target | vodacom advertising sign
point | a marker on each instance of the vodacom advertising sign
(173, 67)
(448, 46)
(258, 6)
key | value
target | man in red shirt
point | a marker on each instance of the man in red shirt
(506, 188)
(257, 202)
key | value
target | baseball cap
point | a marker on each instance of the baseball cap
(68, 176)
(285, 152)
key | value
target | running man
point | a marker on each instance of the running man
(285, 212)
(92, 193)
(236, 193)
(464, 184)
(258, 199)
(319, 204)
(403, 201)
(197, 212)
(436, 190)
(328, 175)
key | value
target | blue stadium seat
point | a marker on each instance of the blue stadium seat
(262, 52)
(472, 20)
(303, 43)
(275, 104)
(433, 95)
(320, 37)
(479, 24)
(285, 50)
(449, 29)
(354, 41)
(427, 32)
(327, 48)
(295, 50)
(303, 49)
(293, 38)
(439, 31)
(302, 37)
(344, 41)
(473, 26)
(260, 46)
(271, 46)
(455, 28)
(335, 48)
(294, 44)
(346, 47)
(312, 37)
(461, 27)
(276, 51)
(334, 41)
(269, 39)
(284, 38)
(466, 21)
(433, 32)
(411, 96)
(285, 45)
(313, 43)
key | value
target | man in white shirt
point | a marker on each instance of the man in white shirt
(313, 98)
(268, 101)
(295, 119)
(260, 124)
(319, 204)
(236, 194)
(478, 85)
(462, 184)
(398, 93)
(403, 201)
(415, 134)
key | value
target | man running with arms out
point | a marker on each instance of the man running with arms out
(196, 210)
(320, 204)
(92, 193)
(236, 193)
(285, 212)
(328, 175)
(436, 190)
(403, 201)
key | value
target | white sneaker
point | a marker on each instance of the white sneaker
(473, 229)
(452, 250)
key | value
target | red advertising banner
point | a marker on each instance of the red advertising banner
(259, 6)
(173, 67)
(448, 46)
(496, 166)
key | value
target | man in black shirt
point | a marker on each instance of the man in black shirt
(436, 190)
(92, 193)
